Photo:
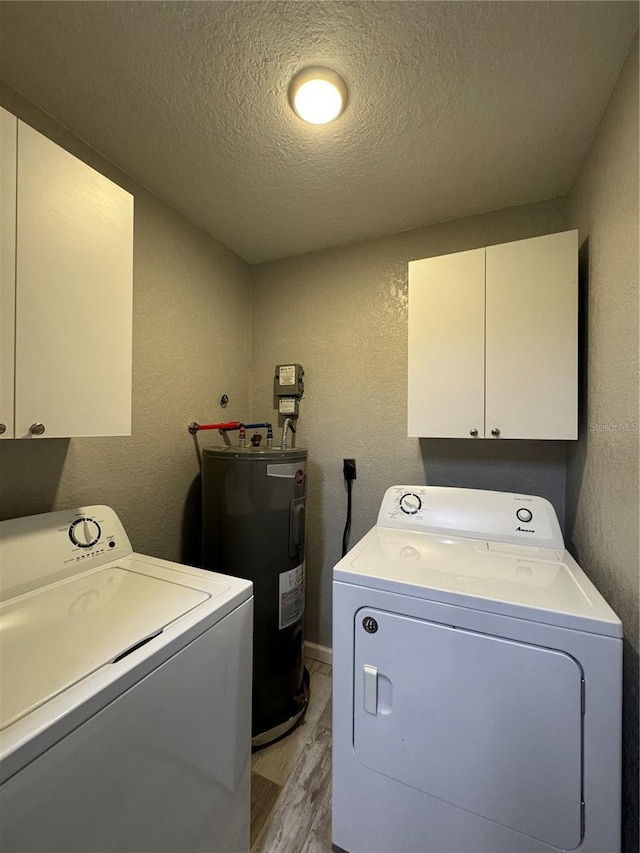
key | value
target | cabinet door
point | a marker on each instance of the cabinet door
(8, 140)
(73, 295)
(446, 345)
(532, 337)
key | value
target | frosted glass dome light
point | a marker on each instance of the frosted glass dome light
(317, 95)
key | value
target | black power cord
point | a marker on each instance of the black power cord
(349, 471)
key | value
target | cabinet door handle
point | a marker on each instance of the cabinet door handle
(495, 431)
(473, 432)
(36, 429)
(3, 429)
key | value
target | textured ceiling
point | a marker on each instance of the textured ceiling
(455, 107)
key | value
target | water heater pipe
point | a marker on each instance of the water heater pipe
(229, 425)
(195, 427)
(289, 423)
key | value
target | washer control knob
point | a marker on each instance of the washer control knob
(410, 503)
(524, 514)
(84, 532)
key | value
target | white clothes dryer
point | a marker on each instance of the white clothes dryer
(126, 694)
(477, 678)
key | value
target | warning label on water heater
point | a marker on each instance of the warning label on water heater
(291, 596)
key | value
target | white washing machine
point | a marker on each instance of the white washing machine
(126, 694)
(477, 678)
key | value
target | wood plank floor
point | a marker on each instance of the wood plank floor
(291, 780)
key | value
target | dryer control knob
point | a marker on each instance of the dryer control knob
(524, 514)
(410, 503)
(84, 532)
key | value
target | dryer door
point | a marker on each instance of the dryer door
(488, 724)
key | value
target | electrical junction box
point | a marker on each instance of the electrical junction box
(288, 380)
(288, 406)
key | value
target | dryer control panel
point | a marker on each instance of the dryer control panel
(498, 517)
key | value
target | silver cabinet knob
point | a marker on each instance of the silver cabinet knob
(495, 431)
(3, 429)
(473, 432)
(36, 429)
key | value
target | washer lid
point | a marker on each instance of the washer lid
(540, 584)
(55, 636)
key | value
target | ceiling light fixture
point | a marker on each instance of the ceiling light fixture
(318, 95)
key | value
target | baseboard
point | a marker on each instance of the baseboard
(317, 652)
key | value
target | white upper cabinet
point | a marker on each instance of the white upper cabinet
(493, 341)
(70, 280)
(8, 154)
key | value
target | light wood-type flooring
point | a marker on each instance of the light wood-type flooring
(291, 780)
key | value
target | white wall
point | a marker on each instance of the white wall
(602, 493)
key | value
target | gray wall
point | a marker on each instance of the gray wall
(191, 330)
(342, 313)
(602, 493)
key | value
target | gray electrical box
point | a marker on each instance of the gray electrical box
(288, 380)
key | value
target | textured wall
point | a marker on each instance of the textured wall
(602, 493)
(191, 329)
(342, 313)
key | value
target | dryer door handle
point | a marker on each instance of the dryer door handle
(370, 691)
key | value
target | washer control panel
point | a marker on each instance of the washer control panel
(474, 513)
(41, 549)
(91, 535)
